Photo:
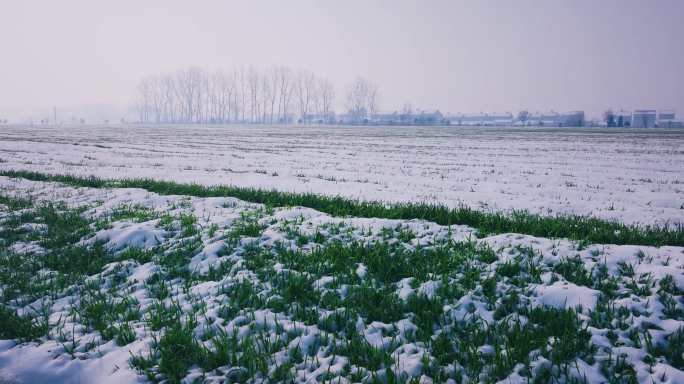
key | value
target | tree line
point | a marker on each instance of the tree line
(248, 95)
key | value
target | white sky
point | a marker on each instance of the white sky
(457, 56)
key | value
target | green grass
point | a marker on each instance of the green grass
(581, 228)
(132, 212)
(14, 203)
(24, 328)
(64, 257)
(244, 330)
(673, 350)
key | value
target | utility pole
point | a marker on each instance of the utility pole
(54, 114)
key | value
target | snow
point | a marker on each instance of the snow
(207, 257)
(143, 272)
(361, 271)
(634, 176)
(24, 247)
(36, 364)
(404, 289)
(131, 235)
(409, 360)
(563, 295)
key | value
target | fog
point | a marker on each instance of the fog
(86, 57)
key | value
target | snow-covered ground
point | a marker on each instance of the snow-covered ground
(636, 176)
(630, 310)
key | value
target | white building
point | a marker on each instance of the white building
(644, 118)
(500, 119)
(419, 117)
(666, 119)
(543, 119)
(482, 119)
(554, 119)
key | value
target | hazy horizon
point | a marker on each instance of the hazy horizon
(464, 56)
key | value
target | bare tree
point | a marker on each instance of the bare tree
(265, 98)
(356, 99)
(170, 107)
(362, 99)
(253, 89)
(194, 95)
(326, 91)
(144, 100)
(373, 96)
(305, 87)
(241, 82)
(189, 82)
(285, 88)
(406, 114)
(224, 87)
(274, 77)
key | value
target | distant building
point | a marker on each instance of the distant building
(644, 118)
(552, 119)
(419, 117)
(666, 115)
(500, 119)
(549, 119)
(666, 119)
(571, 119)
(482, 119)
(543, 119)
(465, 119)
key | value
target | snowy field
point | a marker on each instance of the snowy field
(122, 285)
(635, 176)
(126, 286)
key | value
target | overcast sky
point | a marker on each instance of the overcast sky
(457, 56)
